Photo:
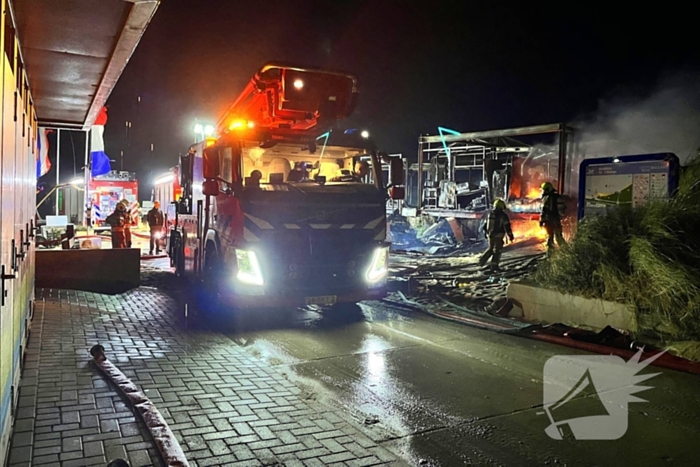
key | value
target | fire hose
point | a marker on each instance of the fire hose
(165, 440)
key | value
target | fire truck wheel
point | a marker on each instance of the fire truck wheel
(211, 274)
(177, 257)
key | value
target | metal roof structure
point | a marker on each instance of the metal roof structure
(74, 51)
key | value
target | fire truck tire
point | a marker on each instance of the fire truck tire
(210, 281)
(211, 269)
(177, 257)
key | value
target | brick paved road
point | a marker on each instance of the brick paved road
(226, 407)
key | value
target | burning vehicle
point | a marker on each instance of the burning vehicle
(459, 175)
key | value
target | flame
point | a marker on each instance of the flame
(526, 230)
(533, 193)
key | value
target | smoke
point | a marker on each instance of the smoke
(665, 120)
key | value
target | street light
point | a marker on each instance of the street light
(365, 134)
(203, 131)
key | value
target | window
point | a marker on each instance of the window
(10, 43)
(227, 165)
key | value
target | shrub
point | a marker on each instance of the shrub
(648, 257)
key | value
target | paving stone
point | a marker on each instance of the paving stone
(226, 406)
(93, 449)
(115, 452)
(23, 439)
(20, 454)
(26, 424)
(89, 421)
(51, 459)
(72, 444)
(85, 461)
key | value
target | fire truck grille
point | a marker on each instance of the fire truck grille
(319, 264)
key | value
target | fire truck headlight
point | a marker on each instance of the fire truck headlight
(248, 267)
(379, 267)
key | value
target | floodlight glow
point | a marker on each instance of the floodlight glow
(209, 130)
(298, 84)
(365, 134)
(198, 128)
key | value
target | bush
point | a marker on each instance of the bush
(648, 257)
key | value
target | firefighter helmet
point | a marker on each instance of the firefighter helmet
(547, 186)
(499, 204)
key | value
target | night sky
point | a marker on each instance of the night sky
(465, 65)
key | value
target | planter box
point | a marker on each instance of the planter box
(548, 306)
(109, 271)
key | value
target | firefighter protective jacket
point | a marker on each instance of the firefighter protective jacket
(552, 206)
(155, 218)
(498, 223)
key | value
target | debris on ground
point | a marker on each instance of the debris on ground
(455, 282)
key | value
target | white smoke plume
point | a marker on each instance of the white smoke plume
(665, 120)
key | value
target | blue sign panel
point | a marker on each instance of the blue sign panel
(625, 181)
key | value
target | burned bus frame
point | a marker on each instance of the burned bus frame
(497, 141)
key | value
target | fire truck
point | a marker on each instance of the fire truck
(276, 210)
(166, 191)
(104, 192)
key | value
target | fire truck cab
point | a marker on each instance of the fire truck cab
(277, 211)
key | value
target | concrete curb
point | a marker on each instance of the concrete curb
(548, 306)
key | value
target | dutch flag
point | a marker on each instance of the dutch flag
(43, 164)
(100, 160)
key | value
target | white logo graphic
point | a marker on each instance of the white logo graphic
(587, 396)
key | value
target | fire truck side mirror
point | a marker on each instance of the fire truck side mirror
(210, 188)
(211, 164)
(397, 176)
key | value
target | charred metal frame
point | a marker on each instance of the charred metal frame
(481, 139)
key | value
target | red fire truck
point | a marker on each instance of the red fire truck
(105, 191)
(166, 190)
(275, 211)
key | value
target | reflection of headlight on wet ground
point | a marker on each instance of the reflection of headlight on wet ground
(375, 363)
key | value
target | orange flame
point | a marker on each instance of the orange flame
(527, 230)
(533, 193)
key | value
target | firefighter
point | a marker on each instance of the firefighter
(298, 173)
(361, 171)
(116, 221)
(550, 217)
(128, 222)
(253, 182)
(156, 222)
(497, 226)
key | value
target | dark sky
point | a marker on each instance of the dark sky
(422, 64)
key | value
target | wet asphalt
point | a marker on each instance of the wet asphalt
(440, 393)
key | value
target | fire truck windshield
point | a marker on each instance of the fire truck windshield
(295, 164)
